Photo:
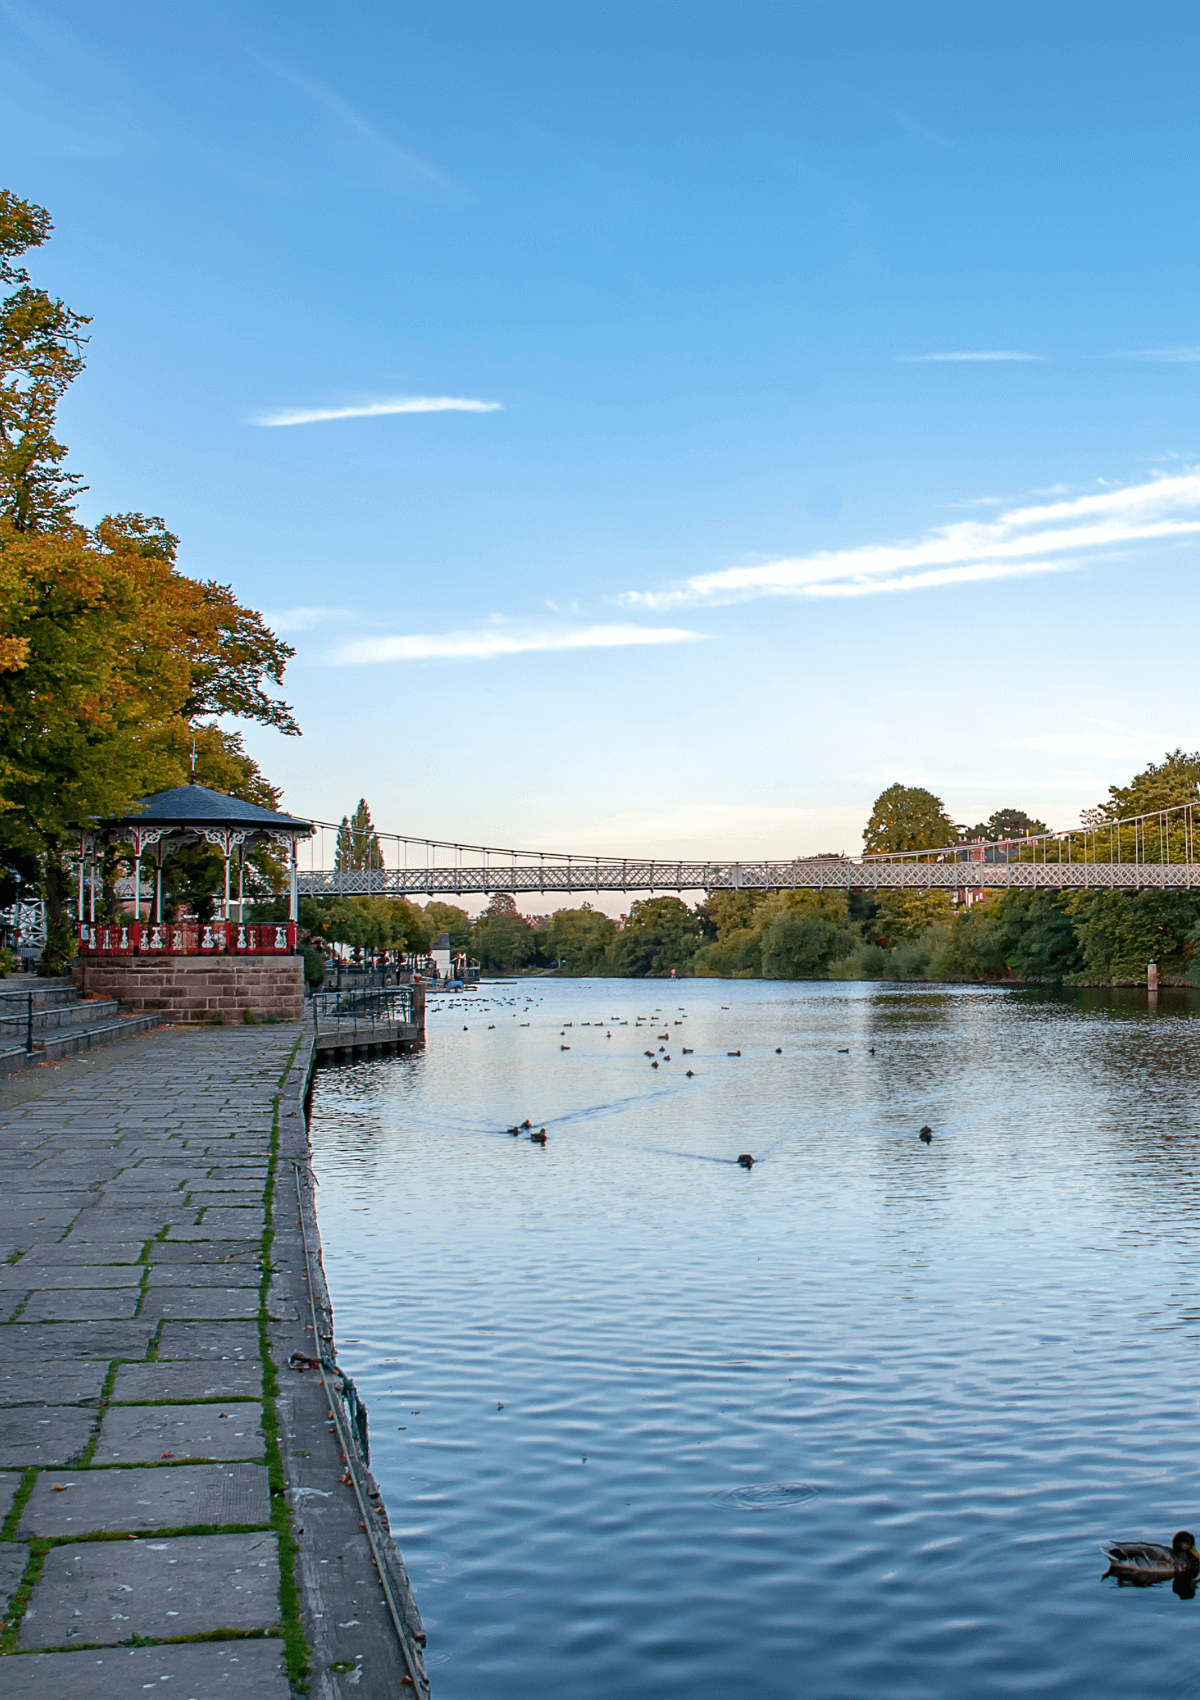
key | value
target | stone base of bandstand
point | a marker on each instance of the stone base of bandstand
(196, 988)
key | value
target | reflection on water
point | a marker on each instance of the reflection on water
(860, 1419)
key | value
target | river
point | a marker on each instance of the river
(857, 1420)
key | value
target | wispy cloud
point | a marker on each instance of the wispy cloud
(307, 619)
(413, 170)
(490, 642)
(1173, 356)
(970, 354)
(1112, 740)
(1046, 538)
(373, 409)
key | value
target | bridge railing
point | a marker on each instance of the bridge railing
(1104, 852)
(1165, 836)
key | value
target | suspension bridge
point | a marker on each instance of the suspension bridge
(1152, 851)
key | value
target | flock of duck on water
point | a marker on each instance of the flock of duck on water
(1137, 1564)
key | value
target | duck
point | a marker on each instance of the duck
(539, 1138)
(691, 1073)
(1147, 1562)
(688, 1049)
(746, 1160)
(926, 1134)
(779, 1050)
(733, 1053)
(527, 1122)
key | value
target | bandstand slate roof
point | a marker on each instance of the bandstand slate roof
(196, 805)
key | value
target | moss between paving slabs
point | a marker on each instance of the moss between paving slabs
(295, 1646)
(298, 1660)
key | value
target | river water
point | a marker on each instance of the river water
(856, 1421)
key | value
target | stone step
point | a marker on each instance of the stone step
(74, 1040)
(57, 1018)
(46, 993)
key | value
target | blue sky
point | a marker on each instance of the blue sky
(824, 386)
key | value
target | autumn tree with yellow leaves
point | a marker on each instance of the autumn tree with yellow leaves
(111, 659)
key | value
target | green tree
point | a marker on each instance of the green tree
(1120, 932)
(802, 940)
(906, 914)
(1160, 785)
(504, 940)
(906, 817)
(660, 934)
(1008, 824)
(445, 918)
(41, 354)
(577, 940)
(357, 843)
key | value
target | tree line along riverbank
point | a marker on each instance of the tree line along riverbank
(1072, 938)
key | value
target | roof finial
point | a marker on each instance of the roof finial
(193, 758)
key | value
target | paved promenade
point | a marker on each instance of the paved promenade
(182, 1511)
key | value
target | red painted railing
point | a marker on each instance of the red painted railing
(188, 938)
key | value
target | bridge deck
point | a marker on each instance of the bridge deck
(821, 874)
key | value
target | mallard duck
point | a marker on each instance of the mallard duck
(1146, 1562)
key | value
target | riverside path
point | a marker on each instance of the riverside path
(185, 1508)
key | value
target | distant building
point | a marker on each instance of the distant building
(441, 955)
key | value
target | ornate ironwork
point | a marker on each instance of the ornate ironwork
(188, 938)
(628, 875)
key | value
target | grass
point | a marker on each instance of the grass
(20, 1500)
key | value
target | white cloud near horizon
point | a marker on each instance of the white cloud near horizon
(1047, 537)
(375, 409)
(981, 354)
(491, 642)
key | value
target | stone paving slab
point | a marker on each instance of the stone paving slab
(144, 1434)
(77, 1250)
(209, 1340)
(184, 1380)
(236, 1238)
(214, 1670)
(33, 1383)
(212, 1303)
(106, 1592)
(31, 1341)
(96, 1305)
(33, 1277)
(184, 1251)
(204, 1275)
(14, 1556)
(235, 1221)
(176, 1496)
(45, 1436)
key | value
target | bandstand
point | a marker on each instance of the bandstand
(218, 970)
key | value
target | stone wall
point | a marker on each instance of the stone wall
(197, 988)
